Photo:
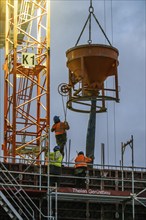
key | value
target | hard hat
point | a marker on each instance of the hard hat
(56, 148)
(56, 119)
(81, 152)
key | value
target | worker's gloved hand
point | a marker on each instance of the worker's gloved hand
(92, 157)
(66, 125)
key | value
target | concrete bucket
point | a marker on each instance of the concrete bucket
(92, 64)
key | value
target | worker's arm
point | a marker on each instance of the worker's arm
(88, 159)
(58, 156)
(53, 128)
(51, 156)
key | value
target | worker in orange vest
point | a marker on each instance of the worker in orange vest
(60, 132)
(80, 168)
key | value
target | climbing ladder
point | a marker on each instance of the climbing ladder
(9, 208)
(14, 200)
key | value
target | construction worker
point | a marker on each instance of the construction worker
(55, 162)
(60, 132)
(80, 168)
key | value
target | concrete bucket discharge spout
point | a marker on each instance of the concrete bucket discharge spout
(89, 66)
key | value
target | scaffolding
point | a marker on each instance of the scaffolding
(103, 188)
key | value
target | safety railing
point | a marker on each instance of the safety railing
(12, 189)
(36, 177)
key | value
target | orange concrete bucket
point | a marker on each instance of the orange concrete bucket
(93, 63)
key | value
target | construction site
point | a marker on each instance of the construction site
(111, 191)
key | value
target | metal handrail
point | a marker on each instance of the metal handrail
(113, 180)
(98, 178)
(22, 190)
(70, 176)
(14, 202)
(71, 164)
(17, 190)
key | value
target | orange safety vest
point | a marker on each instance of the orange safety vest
(60, 128)
(81, 161)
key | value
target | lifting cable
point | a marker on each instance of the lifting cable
(63, 91)
(64, 109)
(113, 86)
(107, 133)
(91, 13)
(106, 86)
(114, 106)
(65, 115)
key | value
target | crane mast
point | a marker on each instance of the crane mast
(26, 79)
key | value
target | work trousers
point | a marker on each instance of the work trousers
(61, 141)
(55, 173)
(80, 172)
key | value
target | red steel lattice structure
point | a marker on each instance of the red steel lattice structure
(27, 78)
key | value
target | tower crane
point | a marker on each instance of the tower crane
(26, 78)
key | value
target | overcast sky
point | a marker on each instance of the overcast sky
(125, 25)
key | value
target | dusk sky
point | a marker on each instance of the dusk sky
(125, 25)
(124, 22)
